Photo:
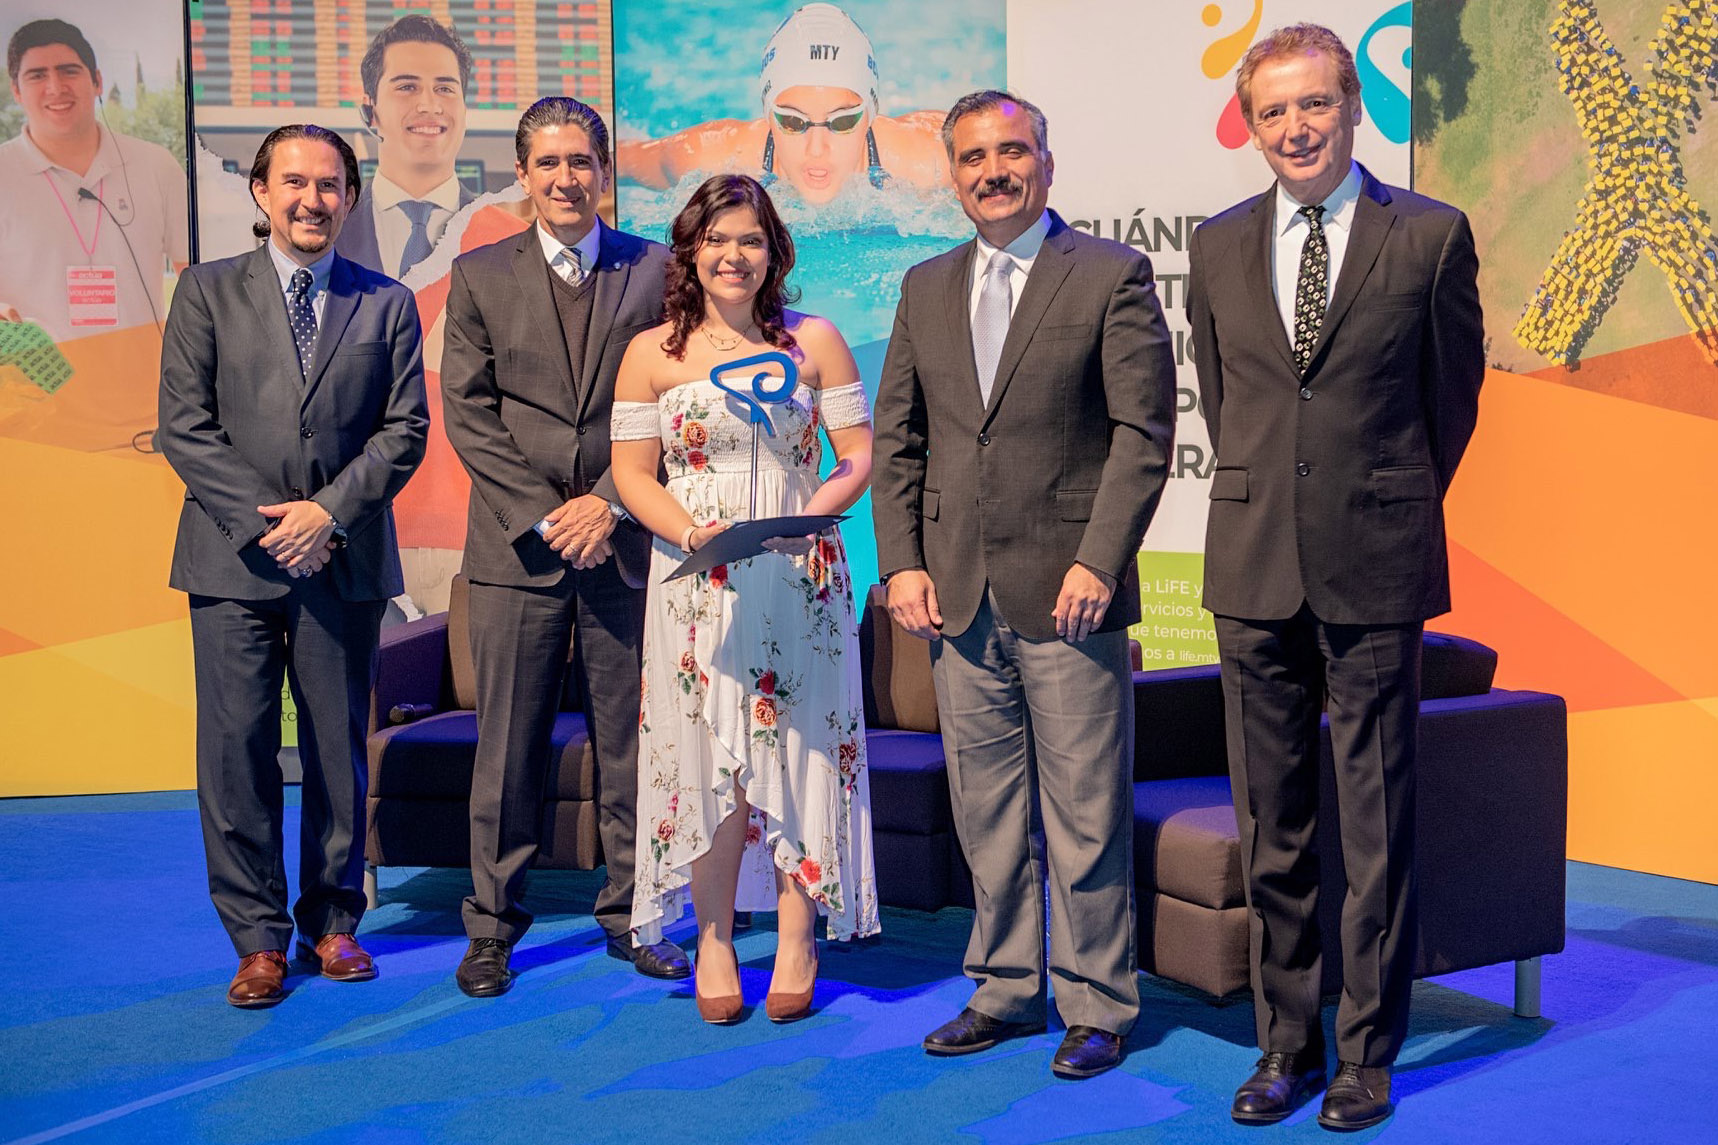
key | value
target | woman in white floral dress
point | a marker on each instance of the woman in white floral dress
(751, 770)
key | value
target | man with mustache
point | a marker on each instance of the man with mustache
(292, 406)
(1340, 353)
(1023, 429)
(536, 327)
(415, 75)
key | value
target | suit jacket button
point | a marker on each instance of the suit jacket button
(581, 431)
(297, 493)
(306, 431)
(984, 439)
(1305, 394)
(1302, 468)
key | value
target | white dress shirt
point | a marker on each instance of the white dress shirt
(394, 228)
(1291, 232)
(555, 253)
(1023, 250)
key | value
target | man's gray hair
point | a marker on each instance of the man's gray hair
(987, 100)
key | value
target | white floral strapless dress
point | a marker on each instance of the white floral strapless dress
(751, 672)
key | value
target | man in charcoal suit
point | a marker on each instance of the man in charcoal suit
(1338, 340)
(1023, 430)
(292, 406)
(536, 327)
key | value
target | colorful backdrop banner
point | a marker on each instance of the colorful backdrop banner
(1579, 535)
(95, 680)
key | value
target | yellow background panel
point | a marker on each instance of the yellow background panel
(1643, 783)
(89, 541)
(114, 713)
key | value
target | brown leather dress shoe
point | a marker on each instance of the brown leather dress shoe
(340, 957)
(260, 982)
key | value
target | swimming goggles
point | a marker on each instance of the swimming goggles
(843, 123)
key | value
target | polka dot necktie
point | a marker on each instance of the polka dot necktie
(1312, 287)
(418, 245)
(303, 317)
(990, 322)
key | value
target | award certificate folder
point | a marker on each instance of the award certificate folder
(746, 539)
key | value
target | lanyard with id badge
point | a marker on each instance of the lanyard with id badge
(92, 292)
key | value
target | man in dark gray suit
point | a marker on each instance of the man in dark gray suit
(536, 326)
(414, 75)
(292, 406)
(1338, 340)
(1023, 429)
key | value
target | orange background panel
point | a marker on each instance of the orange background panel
(1540, 648)
(1642, 785)
(1602, 508)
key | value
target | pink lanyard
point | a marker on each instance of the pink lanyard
(89, 250)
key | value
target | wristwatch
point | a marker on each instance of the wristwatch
(618, 512)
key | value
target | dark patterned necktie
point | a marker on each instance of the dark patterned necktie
(1311, 288)
(303, 318)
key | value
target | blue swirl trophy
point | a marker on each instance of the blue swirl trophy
(747, 539)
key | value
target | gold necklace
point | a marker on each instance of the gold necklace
(724, 347)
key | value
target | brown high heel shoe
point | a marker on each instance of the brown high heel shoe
(722, 1011)
(783, 1007)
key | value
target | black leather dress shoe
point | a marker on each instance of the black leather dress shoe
(661, 960)
(484, 972)
(1086, 1051)
(972, 1031)
(1358, 1097)
(1281, 1082)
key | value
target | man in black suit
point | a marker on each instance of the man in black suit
(1023, 429)
(536, 326)
(415, 74)
(1336, 324)
(292, 406)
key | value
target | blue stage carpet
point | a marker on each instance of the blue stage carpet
(113, 1026)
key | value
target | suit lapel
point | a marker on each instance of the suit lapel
(337, 311)
(959, 293)
(1373, 219)
(612, 273)
(262, 284)
(1049, 270)
(1256, 268)
(532, 271)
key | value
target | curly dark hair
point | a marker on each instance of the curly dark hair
(683, 301)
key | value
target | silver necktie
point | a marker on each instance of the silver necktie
(990, 324)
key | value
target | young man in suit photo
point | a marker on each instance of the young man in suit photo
(292, 406)
(536, 327)
(1023, 428)
(1336, 324)
(415, 76)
